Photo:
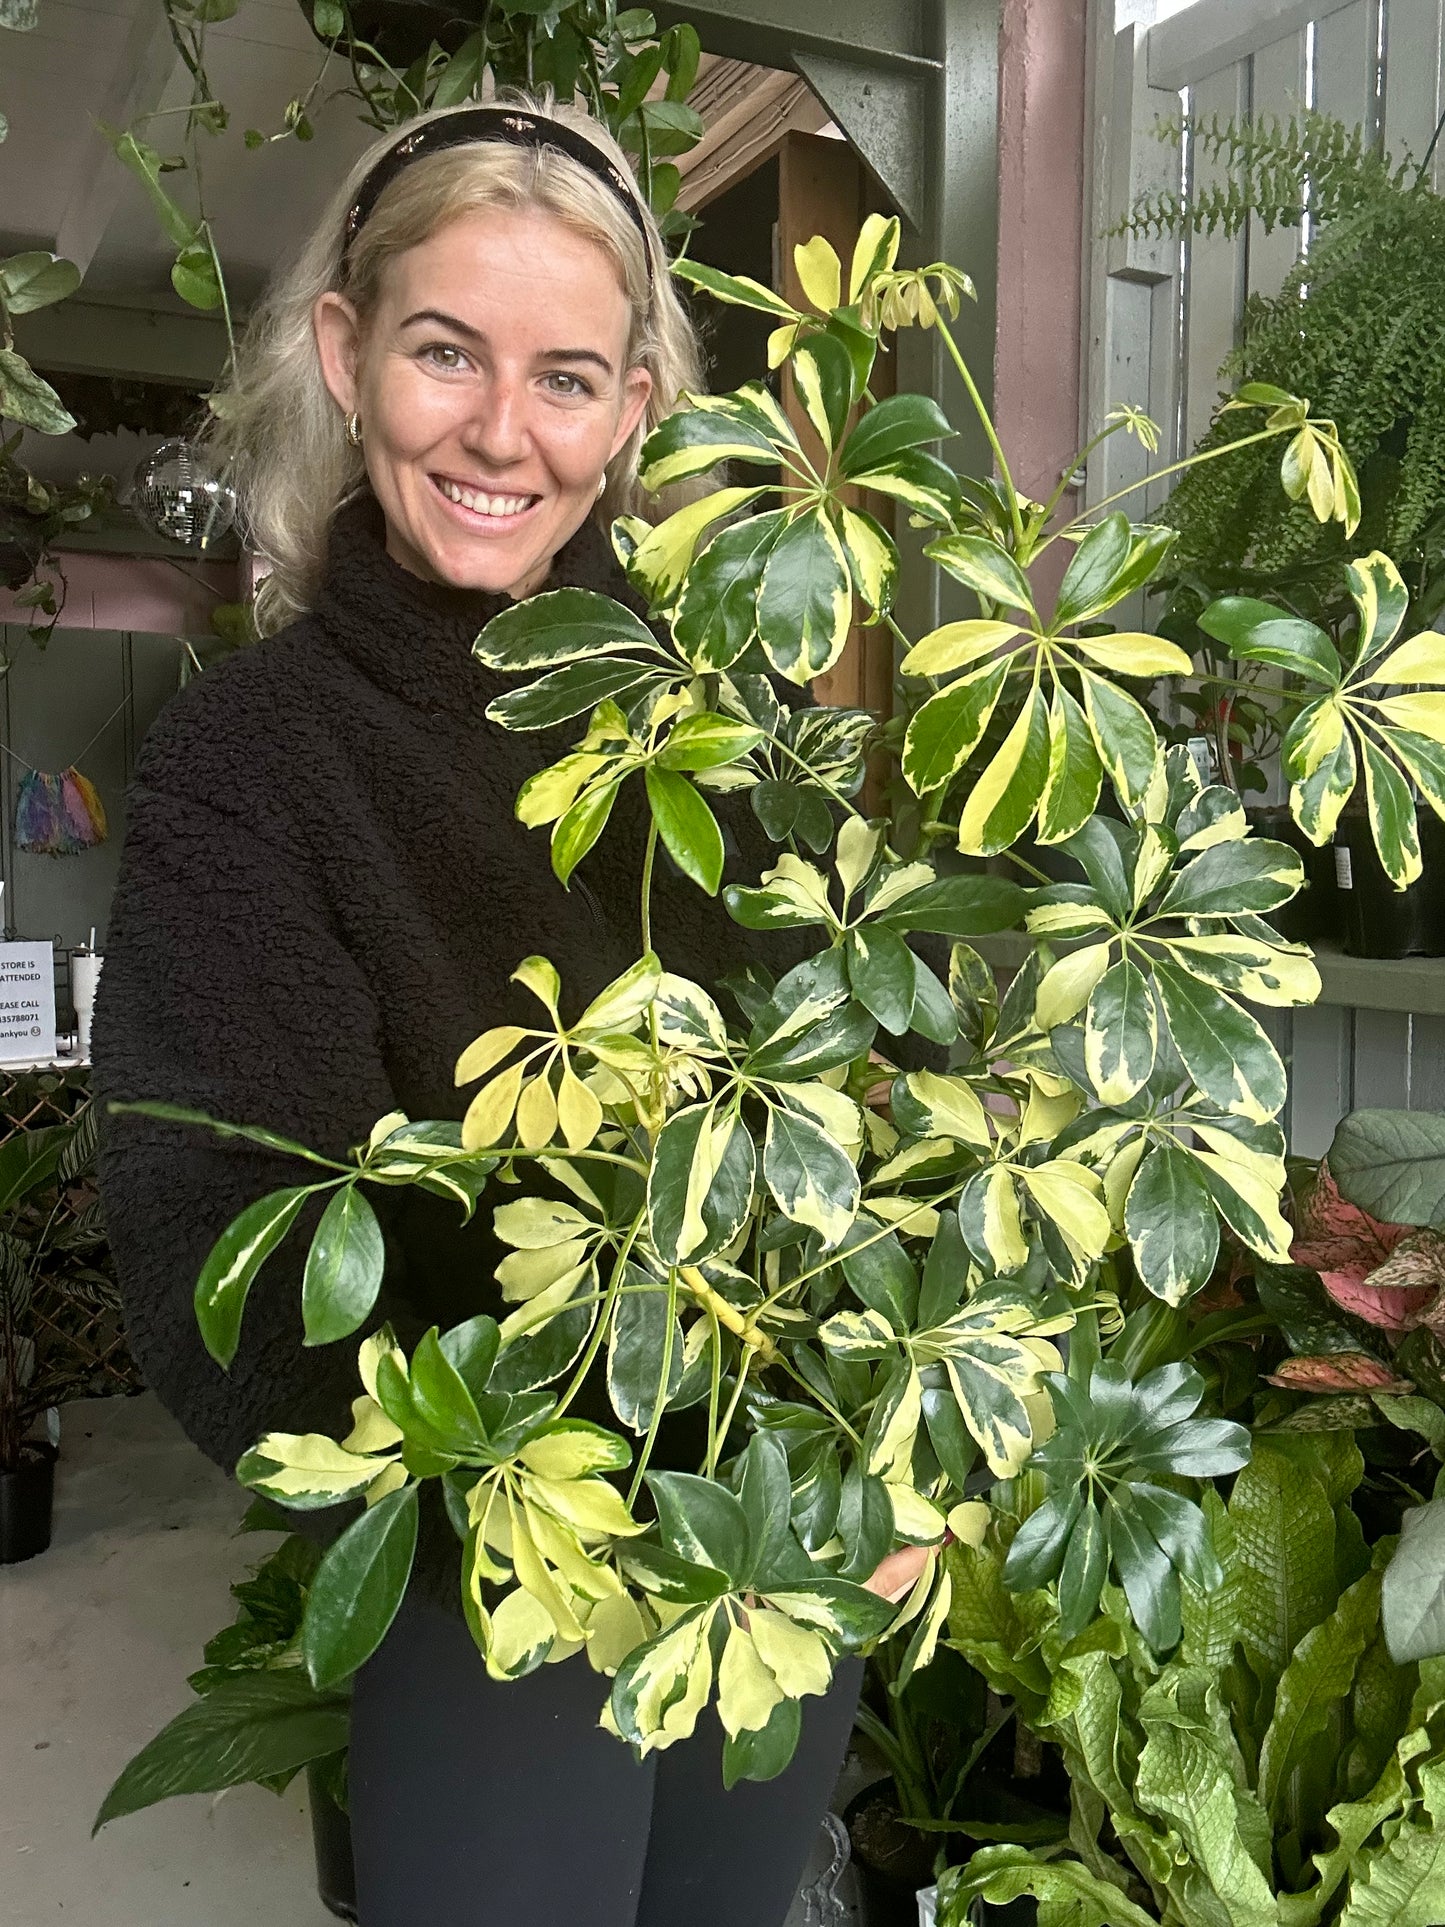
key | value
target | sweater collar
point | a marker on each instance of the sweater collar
(414, 637)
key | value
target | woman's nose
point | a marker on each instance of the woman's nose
(495, 429)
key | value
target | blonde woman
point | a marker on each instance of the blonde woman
(437, 408)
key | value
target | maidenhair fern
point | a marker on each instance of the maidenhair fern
(1359, 327)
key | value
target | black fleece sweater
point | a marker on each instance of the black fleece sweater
(323, 893)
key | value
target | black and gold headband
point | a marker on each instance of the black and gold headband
(511, 125)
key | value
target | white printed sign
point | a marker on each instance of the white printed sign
(27, 1001)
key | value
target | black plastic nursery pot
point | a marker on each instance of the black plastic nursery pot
(1379, 920)
(1318, 911)
(331, 1839)
(892, 1860)
(27, 1495)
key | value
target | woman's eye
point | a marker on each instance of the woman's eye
(442, 354)
(561, 383)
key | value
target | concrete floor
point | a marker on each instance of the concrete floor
(96, 1639)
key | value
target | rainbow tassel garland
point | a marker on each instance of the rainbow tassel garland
(58, 815)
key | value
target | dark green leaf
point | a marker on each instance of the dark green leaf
(232, 1264)
(246, 1728)
(701, 1522)
(569, 692)
(716, 617)
(343, 1268)
(1259, 632)
(561, 625)
(359, 1587)
(763, 1754)
(897, 423)
(880, 969)
(637, 1348)
(688, 827)
(1088, 585)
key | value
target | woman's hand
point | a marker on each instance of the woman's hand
(899, 1572)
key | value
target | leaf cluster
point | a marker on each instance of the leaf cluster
(1277, 1768)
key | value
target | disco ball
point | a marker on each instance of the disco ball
(177, 492)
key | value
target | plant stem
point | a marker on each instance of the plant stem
(647, 863)
(660, 1403)
(986, 420)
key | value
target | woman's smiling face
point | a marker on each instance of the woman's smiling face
(493, 388)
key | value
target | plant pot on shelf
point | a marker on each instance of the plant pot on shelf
(27, 1493)
(1318, 911)
(1381, 921)
(331, 1840)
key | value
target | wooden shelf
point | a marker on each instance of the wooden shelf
(1357, 983)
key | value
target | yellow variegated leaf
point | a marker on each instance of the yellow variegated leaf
(371, 1429)
(590, 1506)
(796, 1656)
(840, 1116)
(578, 1111)
(955, 645)
(571, 1454)
(1047, 919)
(968, 1522)
(820, 272)
(664, 555)
(1320, 739)
(520, 1632)
(801, 885)
(915, 1519)
(672, 1683)
(1002, 1228)
(392, 1480)
(1421, 659)
(384, 1126)
(1258, 972)
(1274, 1237)
(552, 791)
(1132, 654)
(874, 252)
(858, 845)
(1423, 712)
(894, 1450)
(781, 343)
(1067, 985)
(487, 1052)
(371, 1351)
(533, 1574)
(615, 1626)
(562, 1548)
(1068, 1195)
(988, 791)
(310, 1464)
(1119, 1175)
(746, 1690)
(912, 1219)
(618, 1007)
(523, 1274)
(890, 886)
(542, 1304)
(532, 1224)
(874, 559)
(537, 1113)
(954, 1107)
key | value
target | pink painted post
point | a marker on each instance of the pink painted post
(1040, 220)
(131, 592)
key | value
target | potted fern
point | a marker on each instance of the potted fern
(861, 1298)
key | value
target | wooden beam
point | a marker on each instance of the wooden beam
(749, 112)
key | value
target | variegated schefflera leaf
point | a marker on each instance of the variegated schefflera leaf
(1370, 702)
(1150, 1013)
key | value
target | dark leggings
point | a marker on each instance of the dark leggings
(478, 1804)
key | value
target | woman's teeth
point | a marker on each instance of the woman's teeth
(485, 504)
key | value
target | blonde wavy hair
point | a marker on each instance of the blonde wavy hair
(276, 427)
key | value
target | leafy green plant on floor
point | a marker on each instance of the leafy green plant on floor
(256, 1716)
(862, 1306)
(1276, 1769)
(54, 1284)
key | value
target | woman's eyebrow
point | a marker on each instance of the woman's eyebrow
(437, 318)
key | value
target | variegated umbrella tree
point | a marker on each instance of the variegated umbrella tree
(846, 1213)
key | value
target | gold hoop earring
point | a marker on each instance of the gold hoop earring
(353, 429)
